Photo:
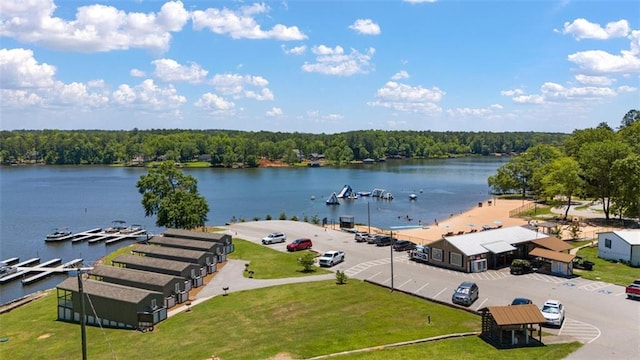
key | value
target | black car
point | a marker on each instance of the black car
(521, 301)
(384, 241)
(404, 245)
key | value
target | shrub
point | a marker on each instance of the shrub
(341, 277)
(307, 260)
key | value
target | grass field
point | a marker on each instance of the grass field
(605, 270)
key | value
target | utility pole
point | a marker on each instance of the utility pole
(83, 325)
(391, 252)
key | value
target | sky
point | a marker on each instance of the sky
(318, 66)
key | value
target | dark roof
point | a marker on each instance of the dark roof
(191, 234)
(139, 276)
(107, 290)
(516, 314)
(552, 255)
(153, 262)
(184, 243)
(552, 243)
(161, 250)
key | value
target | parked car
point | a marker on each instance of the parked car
(362, 236)
(553, 312)
(299, 244)
(373, 238)
(331, 258)
(385, 241)
(521, 301)
(466, 293)
(275, 237)
(633, 290)
(404, 245)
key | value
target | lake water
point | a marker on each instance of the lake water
(36, 199)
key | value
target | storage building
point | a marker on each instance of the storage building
(189, 271)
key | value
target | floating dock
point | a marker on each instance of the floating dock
(20, 271)
(97, 235)
(45, 272)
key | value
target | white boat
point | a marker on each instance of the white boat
(133, 229)
(58, 234)
(6, 269)
(116, 227)
(413, 197)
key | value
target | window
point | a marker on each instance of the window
(607, 243)
(455, 259)
(177, 288)
(154, 304)
(436, 254)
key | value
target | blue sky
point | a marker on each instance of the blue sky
(318, 66)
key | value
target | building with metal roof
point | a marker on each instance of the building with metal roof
(478, 251)
(189, 271)
(512, 326)
(620, 245)
(205, 259)
(109, 305)
(175, 289)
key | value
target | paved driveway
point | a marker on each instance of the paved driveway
(597, 313)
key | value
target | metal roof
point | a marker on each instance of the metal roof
(153, 262)
(473, 243)
(498, 247)
(552, 255)
(161, 250)
(191, 234)
(139, 276)
(552, 243)
(515, 314)
(107, 290)
(632, 237)
(184, 243)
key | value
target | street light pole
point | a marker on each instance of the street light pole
(83, 329)
(391, 252)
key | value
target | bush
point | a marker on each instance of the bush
(307, 260)
(341, 277)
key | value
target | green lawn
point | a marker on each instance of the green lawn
(302, 320)
(605, 270)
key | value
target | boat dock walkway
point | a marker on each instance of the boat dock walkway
(48, 271)
(97, 235)
(20, 272)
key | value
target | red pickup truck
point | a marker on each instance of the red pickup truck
(633, 290)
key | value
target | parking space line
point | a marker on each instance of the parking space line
(422, 287)
(482, 303)
(404, 283)
(438, 294)
(374, 275)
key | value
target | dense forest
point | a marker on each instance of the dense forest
(230, 148)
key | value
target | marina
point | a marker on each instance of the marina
(33, 265)
(97, 235)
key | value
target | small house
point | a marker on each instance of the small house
(205, 259)
(217, 237)
(620, 245)
(175, 289)
(181, 243)
(109, 305)
(189, 271)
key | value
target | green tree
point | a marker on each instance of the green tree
(173, 197)
(627, 182)
(307, 260)
(562, 177)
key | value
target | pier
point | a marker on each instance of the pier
(43, 270)
(97, 235)
(48, 271)
(20, 272)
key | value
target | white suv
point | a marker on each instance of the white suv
(275, 237)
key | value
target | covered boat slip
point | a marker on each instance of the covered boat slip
(175, 289)
(192, 272)
(172, 242)
(202, 258)
(110, 305)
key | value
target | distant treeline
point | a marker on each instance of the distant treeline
(229, 148)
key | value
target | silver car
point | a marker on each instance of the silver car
(275, 237)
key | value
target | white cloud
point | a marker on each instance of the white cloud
(137, 73)
(594, 80)
(215, 103)
(598, 61)
(274, 112)
(626, 88)
(528, 99)
(512, 92)
(402, 97)
(366, 27)
(334, 61)
(95, 28)
(475, 112)
(236, 86)
(169, 70)
(148, 96)
(583, 29)
(19, 69)
(242, 25)
(419, 1)
(298, 50)
(400, 75)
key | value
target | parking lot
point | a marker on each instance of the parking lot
(597, 313)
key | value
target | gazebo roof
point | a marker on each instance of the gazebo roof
(515, 314)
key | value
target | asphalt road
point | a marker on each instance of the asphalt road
(597, 314)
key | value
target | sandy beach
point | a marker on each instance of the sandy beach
(493, 214)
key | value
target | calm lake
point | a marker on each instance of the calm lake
(34, 200)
